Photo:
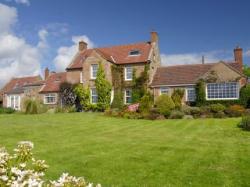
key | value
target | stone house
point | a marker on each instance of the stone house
(84, 66)
(223, 79)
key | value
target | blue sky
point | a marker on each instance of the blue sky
(187, 29)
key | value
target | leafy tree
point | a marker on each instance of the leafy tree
(103, 88)
(177, 97)
(245, 96)
(246, 70)
(200, 93)
(83, 96)
(67, 94)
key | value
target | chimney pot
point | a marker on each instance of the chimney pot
(82, 46)
(238, 56)
(154, 37)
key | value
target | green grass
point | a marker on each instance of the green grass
(120, 152)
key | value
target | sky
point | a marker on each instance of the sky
(35, 34)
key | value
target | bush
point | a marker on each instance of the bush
(176, 114)
(165, 104)
(245, 96)
(245, 123)
(195, 111)
(235, 111)
(65, 109)
(153, 114)
(6, 110)
(146, 103)
(177, 97)
(31, 106)
(219, 114)
(217, 108)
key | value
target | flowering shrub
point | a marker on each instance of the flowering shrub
(22, 170)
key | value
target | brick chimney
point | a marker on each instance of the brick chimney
(82, 46)
(154, 37)
(238, 56)
(46, 73)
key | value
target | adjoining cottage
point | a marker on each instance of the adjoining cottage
(223, 79)
(17, 90)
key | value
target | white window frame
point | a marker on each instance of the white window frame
(135, 50)
(188, 89)
(126, 96)
(230, 98)
(49, 95)
(164, 89)
(91, 95)
(92, 71)
(126, 73)
(81, 77)
(16, 102)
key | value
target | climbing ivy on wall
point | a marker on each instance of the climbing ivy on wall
(118, 85)
(139, 84)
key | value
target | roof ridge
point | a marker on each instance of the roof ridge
(188, 65)
(121, 45)
(25, 77)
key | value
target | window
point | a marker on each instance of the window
(134, 53)
(190, 94)
(216, 91)
(94, 69)
(94, 96)
(164, 91)
(14, 102)
(128, 73)
(50, 98)
(128, 96)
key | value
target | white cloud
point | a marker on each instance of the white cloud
(8, 17)
(65, 54)
(17, 57)
(26, 2)
(43, 34)
(193, 58)
(247, 53)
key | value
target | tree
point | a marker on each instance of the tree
(200, 93)
(246, 70)
(103, 88)
(83, 96)
(177, 97)
(245, 96)
(67, 95)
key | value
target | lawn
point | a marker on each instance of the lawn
(121, 152)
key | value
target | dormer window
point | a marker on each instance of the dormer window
(134, 52)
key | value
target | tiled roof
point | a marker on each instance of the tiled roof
(52, 84)
(184, 74)
(116, 54)
(19, 83)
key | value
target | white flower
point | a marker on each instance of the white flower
(4, 178)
